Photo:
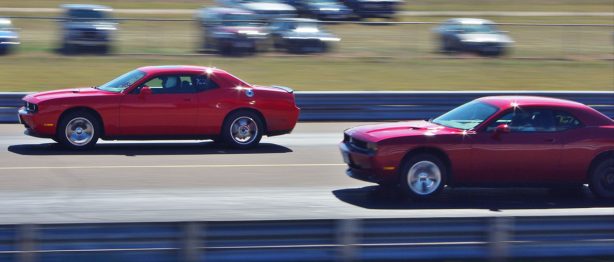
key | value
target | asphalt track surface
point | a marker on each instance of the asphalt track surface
(296, 176)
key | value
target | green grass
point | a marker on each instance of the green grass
(43, 72)
(413, 5)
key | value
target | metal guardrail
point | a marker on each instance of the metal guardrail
(366, 106)
(495, 238)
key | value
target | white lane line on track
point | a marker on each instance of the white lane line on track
(164, 166)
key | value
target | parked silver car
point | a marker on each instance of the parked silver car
(9, 38)
(87, 27)
(301, 35)
(231, 30)
(472, 35)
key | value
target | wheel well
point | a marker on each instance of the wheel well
(84, 109)
(598, 159)
(432, 151)
(249, 110)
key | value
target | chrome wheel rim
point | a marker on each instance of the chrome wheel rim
(79, 131)
(424, 177)
(244, 130)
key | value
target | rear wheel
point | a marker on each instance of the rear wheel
(78, 130)
(601, 180)
(242, 129)
(423, 176)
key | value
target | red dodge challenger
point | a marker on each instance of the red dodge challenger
(491, 141)
(162, 102)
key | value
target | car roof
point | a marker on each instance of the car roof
(178, 68)
(504, 102)
(295, 20)
(227, 10)
(87, 7)
(469, 21)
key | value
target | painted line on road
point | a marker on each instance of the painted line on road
(165, 166)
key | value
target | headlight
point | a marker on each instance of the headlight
(30, 107)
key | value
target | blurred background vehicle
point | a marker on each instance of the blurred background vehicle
(322, 9)
(87, 27)
(8, 36)
(301, 35)
(265, 9)
(472, 35)
(231, 30)
(374, 8)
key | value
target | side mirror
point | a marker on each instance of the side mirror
(501, 129)
(145, 91)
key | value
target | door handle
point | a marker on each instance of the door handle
(187, 99)
(550, 140)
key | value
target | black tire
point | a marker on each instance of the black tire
(79, 119)
(601, 178)
(244, 122)
(423, 162)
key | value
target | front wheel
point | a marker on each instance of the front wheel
(78, 130)
(423, 176)
(601, 180)
(242, 130)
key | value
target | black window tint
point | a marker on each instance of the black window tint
(564, 121)
(203, 82)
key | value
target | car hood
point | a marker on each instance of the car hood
(65, 93)
(481, 37)
(244, 29)
(268, 7)
(90, 26)
(8, 34)
(379, 132)
(315, 34)
(327, 6)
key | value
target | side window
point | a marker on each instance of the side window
(530, 120)
(202, 83)
(565, 121)
(171, 84)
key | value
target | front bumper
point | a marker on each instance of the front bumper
(35, 126)
(87, 42)
(364, 166)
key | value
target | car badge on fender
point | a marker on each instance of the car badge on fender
(249, 93)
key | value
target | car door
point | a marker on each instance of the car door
(527, 151)
(169, 108)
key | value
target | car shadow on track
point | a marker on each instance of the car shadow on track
(134, 149)
(494, 199)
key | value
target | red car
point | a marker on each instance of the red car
(491, 141)
(162, 102)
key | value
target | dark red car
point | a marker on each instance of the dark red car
(162, 102)
(491, 141)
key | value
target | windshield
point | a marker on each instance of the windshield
(466, 116)
(241, 20)
(478, 28)
(86, 14)
(123, 82)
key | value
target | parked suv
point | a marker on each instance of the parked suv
(87, 26)
(472, 35)
(231, 30)
(322, 9)
(8, 37)
(374, 8)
